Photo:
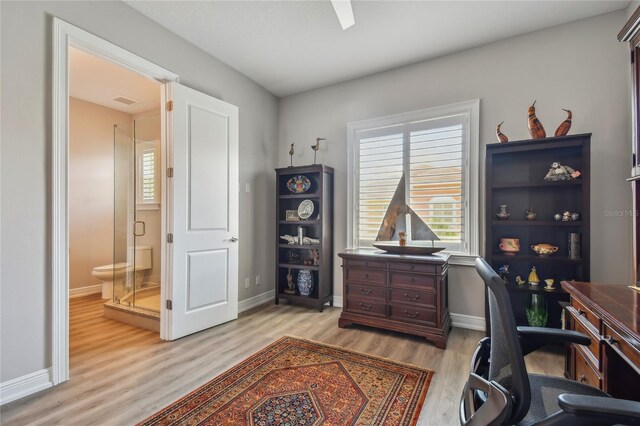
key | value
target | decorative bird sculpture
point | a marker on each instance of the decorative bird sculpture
(501, 136)
(316, 147)
(564, 127)
(291, 152)
(536, 129)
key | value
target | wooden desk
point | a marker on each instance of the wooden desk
(610, 315)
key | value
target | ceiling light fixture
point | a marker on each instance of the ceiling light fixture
(345, 12)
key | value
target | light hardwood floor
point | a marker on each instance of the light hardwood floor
(121, 374)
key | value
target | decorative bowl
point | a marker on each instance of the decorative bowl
(544, 249)
(299, 184)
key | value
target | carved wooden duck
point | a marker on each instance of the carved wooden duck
(564, 127)
(536, 129)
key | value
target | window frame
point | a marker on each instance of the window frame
(471, 177)
(141, 147)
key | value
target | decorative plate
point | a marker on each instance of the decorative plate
(305, 209)
(395, 248)
(298, 184)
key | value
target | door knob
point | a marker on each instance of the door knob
(234, 240)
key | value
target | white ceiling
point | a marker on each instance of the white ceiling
(294, 46)
(98, 81)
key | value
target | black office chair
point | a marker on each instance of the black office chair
(499, 390)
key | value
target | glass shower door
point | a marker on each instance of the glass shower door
(124, 210)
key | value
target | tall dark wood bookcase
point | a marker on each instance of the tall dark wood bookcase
(319, 226)
(515, 174)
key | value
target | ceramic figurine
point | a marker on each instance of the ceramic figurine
(290, 288)
(307, 241)
(504, 273)
(316, 147)
(557, 217)
(564, 127)
(305, 282)
(529, 214)
(559, 172)
(536, 129)
(501, 136)
(519, 280)
(566, 217)
(289, 239)
(533, 277)
(402, 239)
(291, 152)
(575, 216)
(503, 214)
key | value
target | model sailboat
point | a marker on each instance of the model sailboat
(396, 219)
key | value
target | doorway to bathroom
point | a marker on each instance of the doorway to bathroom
(115, 189)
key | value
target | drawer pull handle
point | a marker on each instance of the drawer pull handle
(410, 314)
(582, 379)
(610, 340)
(366, 291)
(365, 307)
(416, 297)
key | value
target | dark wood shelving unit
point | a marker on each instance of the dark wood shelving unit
(319, 226)
(515, 174)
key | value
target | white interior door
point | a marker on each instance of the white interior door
(202, 136)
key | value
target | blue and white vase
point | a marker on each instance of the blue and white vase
(305, 282)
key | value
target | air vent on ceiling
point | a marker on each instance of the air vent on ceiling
(126, 101)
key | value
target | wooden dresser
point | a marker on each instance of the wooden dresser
(400, 293)
(610, 315)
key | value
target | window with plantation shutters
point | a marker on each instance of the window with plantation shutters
(147, 188)
(433, 150)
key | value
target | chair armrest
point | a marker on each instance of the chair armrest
(601, 407)
(532, 338)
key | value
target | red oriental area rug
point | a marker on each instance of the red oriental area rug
(301, 382)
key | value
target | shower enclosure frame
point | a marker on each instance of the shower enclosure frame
(65, 36)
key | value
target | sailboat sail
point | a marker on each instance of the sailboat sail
(394, 220)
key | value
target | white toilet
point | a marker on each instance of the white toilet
(116, 273)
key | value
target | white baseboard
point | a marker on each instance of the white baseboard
(337, 301)
(84, 291)
(252, 302)
(28, 384)
(468, 321)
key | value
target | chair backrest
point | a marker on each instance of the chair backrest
(506, 365)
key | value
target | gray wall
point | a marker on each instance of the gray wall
(579, 66)
(25, 289)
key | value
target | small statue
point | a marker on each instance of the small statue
(290, 288)
(501, 136)
(558, 172)
(536, 129)
(533, 277)
(316, 147)
(289, 239)
(504, 273)
(564, 127)
(566, 217)
(529, 214)
(403, 239)
(315, 255)
(291, 152)
(519, 280)
(557, 217)
(307, 241)
(575, 216)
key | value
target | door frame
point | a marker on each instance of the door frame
(65, 36)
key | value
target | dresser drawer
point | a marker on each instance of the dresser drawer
(594, 347)
(584, 371)
(363, 290)
(412, 280)
(413, 267)
(620, 345)
(367, 276)
(362, 263)
(413, 297)
(366, 306)
(413, 314)
(586, 313)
